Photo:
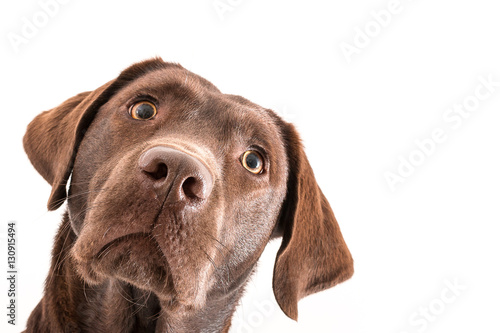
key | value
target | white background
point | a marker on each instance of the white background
(357, 119)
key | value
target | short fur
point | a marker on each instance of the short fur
(132, 256)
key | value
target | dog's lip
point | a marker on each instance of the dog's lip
(120, 239)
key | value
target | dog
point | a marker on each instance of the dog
(174, 191)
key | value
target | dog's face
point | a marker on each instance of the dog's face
(176, 188)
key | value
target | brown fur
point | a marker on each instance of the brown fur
(131, 256)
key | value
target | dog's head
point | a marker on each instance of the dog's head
(176, 188)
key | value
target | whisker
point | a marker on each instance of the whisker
(216, 269)
(58, 260)
(142, 305)
(229, 252)
(121, 292)
(76, 195)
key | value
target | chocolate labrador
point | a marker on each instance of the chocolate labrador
(175, 190)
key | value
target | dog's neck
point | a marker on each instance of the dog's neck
(116, 306)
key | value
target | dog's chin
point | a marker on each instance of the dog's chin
(135, 259)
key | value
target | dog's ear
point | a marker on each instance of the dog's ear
(313, 255)
(52, 138)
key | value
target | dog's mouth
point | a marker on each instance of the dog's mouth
(135, 258)
(130, 237)
(152, 245)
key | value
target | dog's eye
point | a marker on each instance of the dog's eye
(143, 110)
(252, 161)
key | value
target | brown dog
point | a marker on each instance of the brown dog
(175, 190)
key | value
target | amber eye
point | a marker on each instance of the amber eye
(143, 110)
(252, 161)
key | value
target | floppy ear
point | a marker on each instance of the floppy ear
(52, 138)
(313, 255)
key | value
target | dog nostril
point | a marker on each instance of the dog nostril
(193, 188)
(175, 174)
(158, 173)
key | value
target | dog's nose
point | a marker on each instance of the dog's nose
(178, 175)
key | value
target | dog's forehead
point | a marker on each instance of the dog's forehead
(197, 103)
(163, 80)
